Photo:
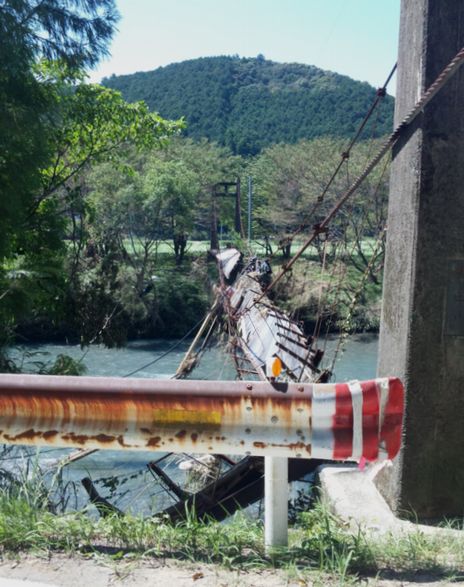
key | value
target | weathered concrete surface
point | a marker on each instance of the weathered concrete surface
(354, 497)
(422, 332)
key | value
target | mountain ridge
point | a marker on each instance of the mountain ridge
(249, 103)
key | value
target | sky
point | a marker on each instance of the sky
(357, 38)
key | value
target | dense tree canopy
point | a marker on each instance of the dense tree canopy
(248, 104)
(74, 33)
(53, 127)
(289, 180)
(211, 164)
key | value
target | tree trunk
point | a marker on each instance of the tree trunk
(180, 245)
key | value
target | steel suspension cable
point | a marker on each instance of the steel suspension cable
(436, 86)
(345, 327)
(166, 353)
(380, 94)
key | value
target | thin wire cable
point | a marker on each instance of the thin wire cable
(347, 321)
(380, 94)
(174, 346)
(331, 309)
(437, 85)
(317, 326)
(27, 455)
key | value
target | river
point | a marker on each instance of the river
(122, 476)
(357, 360)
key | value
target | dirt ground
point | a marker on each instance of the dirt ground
(63, 571)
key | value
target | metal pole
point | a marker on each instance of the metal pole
(275, 502)
(238, 216)
(214, 244)
(250, 197)
(182, 368)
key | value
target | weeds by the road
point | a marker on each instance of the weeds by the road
(318, 542)
(33, 518)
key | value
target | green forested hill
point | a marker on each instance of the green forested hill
(249, 103)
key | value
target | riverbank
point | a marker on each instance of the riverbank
(331, 299)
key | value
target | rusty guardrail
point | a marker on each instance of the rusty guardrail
(340, 421)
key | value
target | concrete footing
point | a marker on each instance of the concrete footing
(355, 497)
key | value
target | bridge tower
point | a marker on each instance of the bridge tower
(422, 331)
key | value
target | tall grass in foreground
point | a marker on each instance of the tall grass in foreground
(318, 541)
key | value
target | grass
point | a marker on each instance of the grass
(319, 543)
(202, 246)
(33, 519)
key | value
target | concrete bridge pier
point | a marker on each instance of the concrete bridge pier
(422, 331)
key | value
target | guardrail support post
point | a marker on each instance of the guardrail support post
(275, 502)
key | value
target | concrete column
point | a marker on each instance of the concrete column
(422, 331)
